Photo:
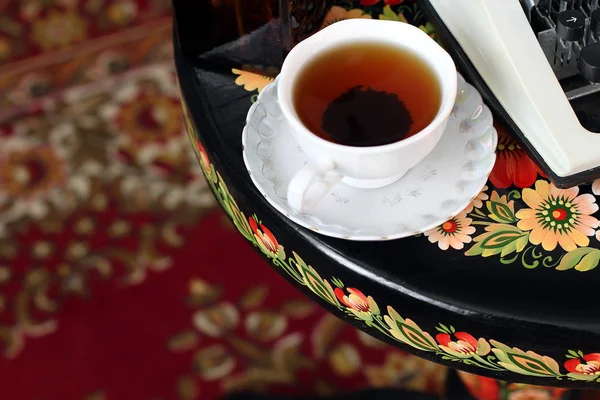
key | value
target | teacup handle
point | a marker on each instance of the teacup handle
(311, 184)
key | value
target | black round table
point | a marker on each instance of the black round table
(502, 306)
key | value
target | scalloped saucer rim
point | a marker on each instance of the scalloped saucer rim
(267, 187)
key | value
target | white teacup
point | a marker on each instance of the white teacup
(364, 167)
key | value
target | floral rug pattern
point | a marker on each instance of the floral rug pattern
(48, 46)
(107, 254)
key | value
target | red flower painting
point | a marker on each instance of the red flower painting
(513, 165)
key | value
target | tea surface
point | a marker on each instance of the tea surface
(366, 94)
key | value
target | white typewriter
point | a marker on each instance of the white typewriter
(537, 64)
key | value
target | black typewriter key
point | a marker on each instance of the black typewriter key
(589, 63)
(595, 22)
(589, 121)
(565, 4)
(571, 25)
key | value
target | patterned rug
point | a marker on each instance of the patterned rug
(112, 255)
(48, 46)
(112, 277)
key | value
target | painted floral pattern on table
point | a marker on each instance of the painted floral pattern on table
(513, 166)
(484, 388)
(519, 217)
(534, 226)
(568, 207)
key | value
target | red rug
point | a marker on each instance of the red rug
(191, 333)
(47, 46)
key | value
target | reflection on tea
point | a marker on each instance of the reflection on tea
(366, 94)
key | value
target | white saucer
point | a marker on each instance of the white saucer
(435, 190)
